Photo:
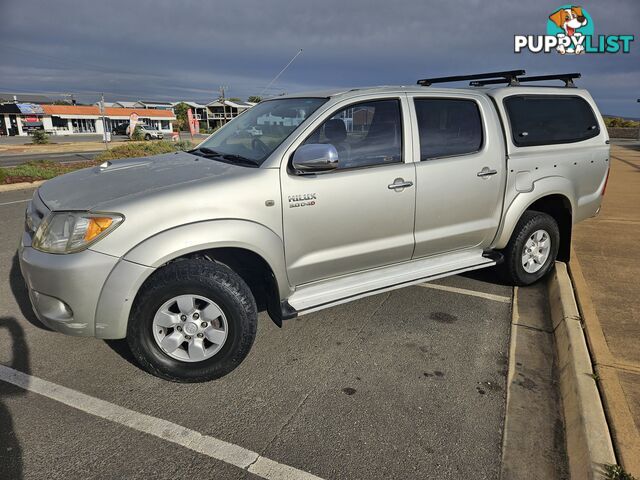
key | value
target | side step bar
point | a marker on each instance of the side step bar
(328, 293)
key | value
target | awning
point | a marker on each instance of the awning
(30, 108)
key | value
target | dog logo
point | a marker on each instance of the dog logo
(572, 22)
(570, 30)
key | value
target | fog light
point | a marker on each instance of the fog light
(51, 307)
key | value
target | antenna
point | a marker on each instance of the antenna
(281, 72)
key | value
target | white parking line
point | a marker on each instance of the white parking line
(464, 291)
(169, 431)
(15, 201)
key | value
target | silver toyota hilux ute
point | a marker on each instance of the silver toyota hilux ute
(339, 195)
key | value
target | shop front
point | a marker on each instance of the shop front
(10, 123)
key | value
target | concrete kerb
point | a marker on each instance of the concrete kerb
(589, 445)
(19, 186)
(621, 422)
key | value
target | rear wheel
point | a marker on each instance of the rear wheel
(147, 137)
(532, 249)
(193, 321)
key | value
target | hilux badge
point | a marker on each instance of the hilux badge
(303, 200)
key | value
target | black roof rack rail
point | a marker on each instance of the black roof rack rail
(567, 78)
(507, 76)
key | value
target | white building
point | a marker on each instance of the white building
(16, 119)
(220, 112)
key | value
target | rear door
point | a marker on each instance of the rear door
(460, 172)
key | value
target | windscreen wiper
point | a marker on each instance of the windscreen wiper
(204, 152)
(210, 153)
(240, 159)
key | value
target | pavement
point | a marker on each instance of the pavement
(406, 384)
(605, 271)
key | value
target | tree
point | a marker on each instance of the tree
(138, 135)
(182, 121)
(40, 137)
(254, 99)
(234, 99)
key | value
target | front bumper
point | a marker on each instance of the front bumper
(84, 294)
(64, 289)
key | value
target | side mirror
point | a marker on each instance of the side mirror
(315, 157)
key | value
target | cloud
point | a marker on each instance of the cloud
(164, 49)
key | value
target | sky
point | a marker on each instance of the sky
(185, 50)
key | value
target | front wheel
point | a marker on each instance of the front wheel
(532, 249)
(193, 321)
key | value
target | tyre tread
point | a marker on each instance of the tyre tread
(210, 274)
(510, 267)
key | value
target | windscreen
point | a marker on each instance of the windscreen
(256, 133)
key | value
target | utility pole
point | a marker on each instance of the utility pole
(104, 123)
(224, 105)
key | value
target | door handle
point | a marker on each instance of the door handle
(399, 183)
(486, 172)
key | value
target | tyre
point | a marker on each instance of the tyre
(147, 137)
(532, 249)
(192, 321)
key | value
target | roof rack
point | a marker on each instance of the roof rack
(567, 78)
(508, 76)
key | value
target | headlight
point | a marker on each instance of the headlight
(67, 232)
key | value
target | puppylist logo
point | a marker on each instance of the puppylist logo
(570, 30)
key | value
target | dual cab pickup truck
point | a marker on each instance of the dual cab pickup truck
(340, 195)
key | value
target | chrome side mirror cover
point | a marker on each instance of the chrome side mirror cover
(314, 158)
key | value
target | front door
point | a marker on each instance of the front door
(460, 170)
(352, 218)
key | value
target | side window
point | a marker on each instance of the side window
(364, 134)
(550, 119)
(448, 127)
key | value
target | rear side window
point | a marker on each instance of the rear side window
(550, 119)
(448, 127)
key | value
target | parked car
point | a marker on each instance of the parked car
(149, 133)
(345, 194)
(254, 131)
(122, 129)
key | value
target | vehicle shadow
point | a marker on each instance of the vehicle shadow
(11, 463)
(486, 275)
(121, 347)
(21, 294)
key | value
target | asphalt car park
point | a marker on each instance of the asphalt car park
(405, 384)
